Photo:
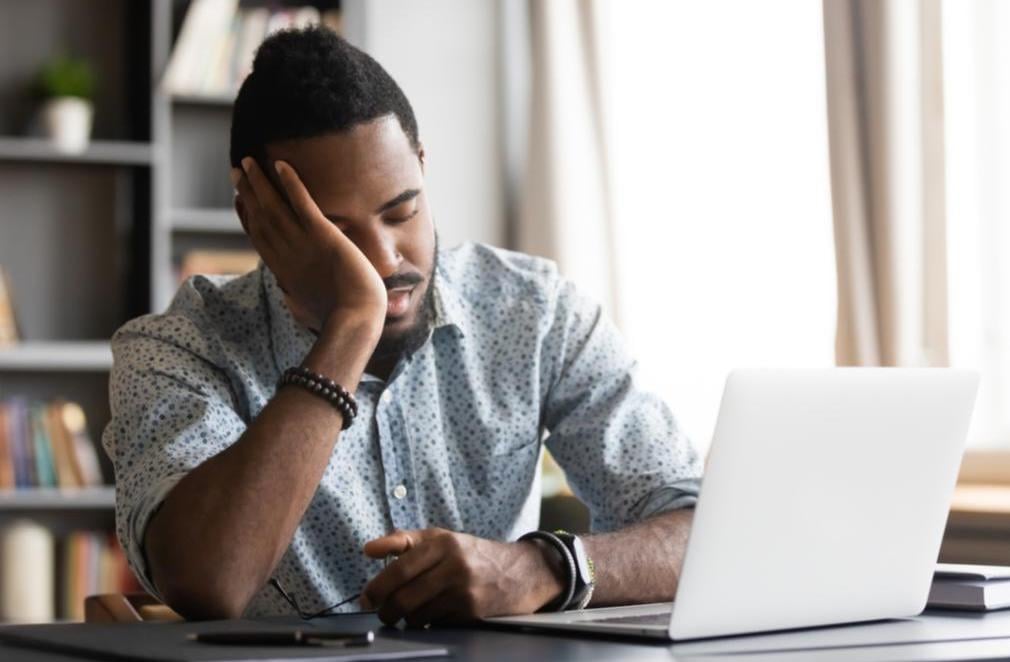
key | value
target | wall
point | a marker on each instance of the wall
(444, 54)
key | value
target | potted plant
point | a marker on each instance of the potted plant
(67, 86)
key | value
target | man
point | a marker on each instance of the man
(459, 362)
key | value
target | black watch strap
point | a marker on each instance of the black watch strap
(585, 571)
(567, 561)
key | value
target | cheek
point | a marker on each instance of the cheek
(418, 244)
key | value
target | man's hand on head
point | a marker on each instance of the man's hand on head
(315, 264)
(444, 577)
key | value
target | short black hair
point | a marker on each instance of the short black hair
(310, 82)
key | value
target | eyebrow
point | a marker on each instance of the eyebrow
(409, 194)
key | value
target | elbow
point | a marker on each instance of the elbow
(199, 592)
(196, 602)
(196, 587)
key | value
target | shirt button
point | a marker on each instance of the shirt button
(386, 397)
(400, 491)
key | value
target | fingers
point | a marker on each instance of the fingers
(305, 207)
(414, 560)
(420, 601)
(263, 231)
(396, 543)
(267, 195)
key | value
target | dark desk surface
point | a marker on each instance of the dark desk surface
(933, 636)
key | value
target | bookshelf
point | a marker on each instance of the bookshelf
(46, 498)
(107, 152)
(59, 357)
(91, 240)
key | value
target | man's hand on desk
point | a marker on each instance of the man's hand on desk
(441, 576)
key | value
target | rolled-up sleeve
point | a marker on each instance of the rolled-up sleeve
(172, 409)
(622, 451)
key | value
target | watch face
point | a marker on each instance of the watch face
(582, 560)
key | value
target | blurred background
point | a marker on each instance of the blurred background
(741, 184)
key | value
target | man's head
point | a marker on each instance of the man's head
(345, 126)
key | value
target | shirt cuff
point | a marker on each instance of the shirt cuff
(677, 495)
(137, 526)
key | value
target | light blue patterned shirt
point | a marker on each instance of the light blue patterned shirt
(516, 359)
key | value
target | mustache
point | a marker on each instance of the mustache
(402, 280)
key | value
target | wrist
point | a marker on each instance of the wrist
(549, 576)
(364, 324)
(343, 348)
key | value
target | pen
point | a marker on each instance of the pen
(285, 638)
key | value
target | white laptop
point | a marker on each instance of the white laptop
(824, 501)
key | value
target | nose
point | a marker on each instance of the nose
(379, 247)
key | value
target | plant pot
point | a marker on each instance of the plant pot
(67, 123)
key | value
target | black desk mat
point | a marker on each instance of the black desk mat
(168, 642)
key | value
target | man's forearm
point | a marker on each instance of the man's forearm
(224, 527)
(642, 562)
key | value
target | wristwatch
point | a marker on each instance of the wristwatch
(585, 571)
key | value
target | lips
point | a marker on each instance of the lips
(398, 301)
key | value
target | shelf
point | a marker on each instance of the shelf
(105, 152)
(216, 100)
(216, 221)
(56, 356)
(51, 498)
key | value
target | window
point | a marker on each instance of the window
(976, 55)
(718, 128)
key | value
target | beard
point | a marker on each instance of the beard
(408, 341)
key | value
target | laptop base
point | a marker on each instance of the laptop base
(648, 621)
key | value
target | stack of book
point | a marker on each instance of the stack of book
(971, 587)
(45, 445)
(218, 40)
(93, 563)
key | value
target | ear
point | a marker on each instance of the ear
(234, 174)
(240, 210)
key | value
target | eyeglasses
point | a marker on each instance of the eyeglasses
(307, 616)
(328, 611)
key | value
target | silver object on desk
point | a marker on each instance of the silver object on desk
(824, 502)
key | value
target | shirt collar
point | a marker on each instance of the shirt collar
(292, 341)
(449, 305)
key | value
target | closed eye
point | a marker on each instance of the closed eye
(397, 220)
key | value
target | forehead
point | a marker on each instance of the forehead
(354, 170)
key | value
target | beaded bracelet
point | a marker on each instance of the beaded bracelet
(325, 388)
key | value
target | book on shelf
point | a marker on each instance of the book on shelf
(46, 445)
(218, 41)
(93, 563)
(217, 263)
(8, 322)
(42, 578)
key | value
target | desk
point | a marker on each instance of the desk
(981, 637)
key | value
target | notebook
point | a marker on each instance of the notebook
(971, 587)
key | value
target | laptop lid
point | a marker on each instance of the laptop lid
(824, 499)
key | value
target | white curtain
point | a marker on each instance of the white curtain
(885, 112)
(566, 204)
(703, 201)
